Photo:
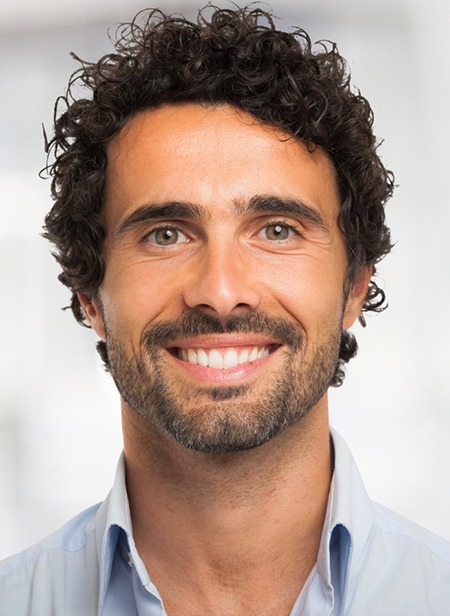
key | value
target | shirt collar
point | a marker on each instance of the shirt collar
(348, 523)
(113, 518)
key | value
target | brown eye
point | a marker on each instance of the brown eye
(277, 232)
(165, 237)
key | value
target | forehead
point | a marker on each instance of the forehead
(213, 157)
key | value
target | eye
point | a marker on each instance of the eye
(278, 232)
(166, 236)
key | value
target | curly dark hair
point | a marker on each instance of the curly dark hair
(237, 57)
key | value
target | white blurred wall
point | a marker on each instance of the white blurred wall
(59, 413)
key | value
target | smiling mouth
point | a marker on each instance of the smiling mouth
(223, 358)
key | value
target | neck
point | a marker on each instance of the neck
(230, 516)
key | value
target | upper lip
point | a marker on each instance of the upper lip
(214, 341)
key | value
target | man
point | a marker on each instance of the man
(218, 216)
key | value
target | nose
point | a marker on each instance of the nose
(223, 282)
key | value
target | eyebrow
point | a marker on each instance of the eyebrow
(291, 207)
(157, 211)
(240, 209)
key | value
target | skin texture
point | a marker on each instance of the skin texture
(233, 514)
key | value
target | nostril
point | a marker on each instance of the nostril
(221, 294)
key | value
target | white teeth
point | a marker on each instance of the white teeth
(192, 356)
(215, 359)
(202, 357)
(230, 359)
(243, 357)
(253, 354)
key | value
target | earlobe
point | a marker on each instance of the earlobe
(92, 309)
(357, 296)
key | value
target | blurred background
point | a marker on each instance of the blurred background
(59, 412)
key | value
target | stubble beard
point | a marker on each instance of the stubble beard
(223, 419)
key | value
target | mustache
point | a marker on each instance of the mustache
(197, 323)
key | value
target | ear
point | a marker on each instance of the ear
(92, 310)
(356, 296)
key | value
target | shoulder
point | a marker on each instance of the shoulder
(395, 527)
(394, 567)
(375, 527)
(404, 570)
(63, 564)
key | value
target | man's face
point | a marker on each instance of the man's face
(223, 298)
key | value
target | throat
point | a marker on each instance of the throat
(249, 524)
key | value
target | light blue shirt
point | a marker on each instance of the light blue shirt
(371, 562)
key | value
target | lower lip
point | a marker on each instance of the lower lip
(214, 375)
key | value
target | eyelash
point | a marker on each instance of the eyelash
(272, 223)
(282, 223)
(163, 227)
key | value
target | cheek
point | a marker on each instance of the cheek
(309, 289)
(136, 295)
